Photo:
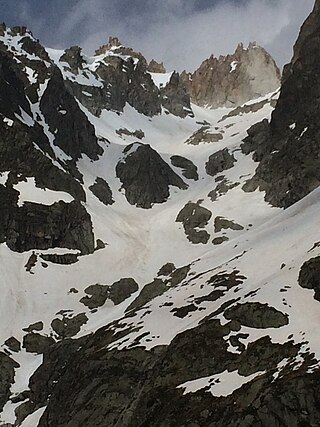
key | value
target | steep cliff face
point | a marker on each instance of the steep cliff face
(229, 81)
(290, 155)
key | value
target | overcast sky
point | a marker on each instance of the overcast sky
(181, 33)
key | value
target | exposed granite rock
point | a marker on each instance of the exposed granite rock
(13, 344)
(73, 58)
(7, 373)
(36, 343)
(99, 245)
(118, 292)
(234, 79)
(257, 140)
(309, 276)
(145, 176)
(193, 216)
(123, 289)
(33, 47)
(74, 134)
(189, 169)
(137, 133)
(252, 107)
(35, 226)
(166, 269)
(98, 295)
(219, 240)
(68, 326)
(124, 77)
(222, 188)
(289, 167)
(175, 97)
(174, 276)
(102, 191)
(148, 293)
(142, 387)
(31, 262)
(19, 155)
(156, 67)
(257, 315)
(38, 326)
(221, 223)
(203, 135)
(220, 161)
(113, 42)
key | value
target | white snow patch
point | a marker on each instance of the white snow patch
(222, 384)
(29, 192)
(233, 66)
(161, 79)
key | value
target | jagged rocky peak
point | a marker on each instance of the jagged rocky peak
(73, 57)
(117, 75)
(229, 81)
(156, 67)
(113, 43)
(117, 48)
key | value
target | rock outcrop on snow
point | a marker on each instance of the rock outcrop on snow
(145, 176)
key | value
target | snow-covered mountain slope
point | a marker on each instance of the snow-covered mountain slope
(143, 282)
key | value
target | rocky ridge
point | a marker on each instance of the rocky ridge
(232, 80)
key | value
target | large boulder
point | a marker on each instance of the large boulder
(145, 176)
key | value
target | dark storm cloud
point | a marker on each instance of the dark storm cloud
(179, 32)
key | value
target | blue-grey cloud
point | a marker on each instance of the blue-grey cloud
(179, 32)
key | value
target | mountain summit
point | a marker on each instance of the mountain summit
(229, 81)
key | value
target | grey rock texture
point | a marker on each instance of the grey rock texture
(28, 151)
(74, 133)
(125, 78)
(175, 97)
(289, 149)
(35, 226)
(189, 169)
(309, 276)
(221, 223)
(156, 67)
(204, 135)
(145, 176)
(118, 292)
(36, 343)
(256, 315)
(220, 161)
(102, 191)
(194, 219)
(68, 326)
(142, 385)
(7, 373)
(232, 80)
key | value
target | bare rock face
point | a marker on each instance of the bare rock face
(233, 79)
(74, 58)
(156, 67)
(113, 42)
(175, 97)
(145, 176)
(289, 147)
(220, 161)
(123, 76)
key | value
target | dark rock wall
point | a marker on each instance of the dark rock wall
(290, 157)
